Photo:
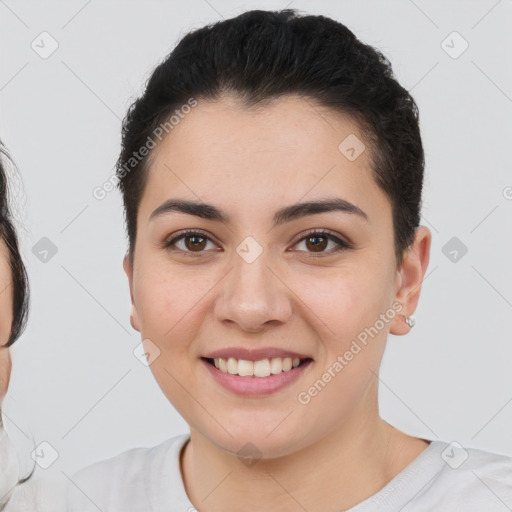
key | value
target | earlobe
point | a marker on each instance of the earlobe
(134, 316)
(410, 279)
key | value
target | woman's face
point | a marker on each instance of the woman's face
(6, 318)
(261, 283)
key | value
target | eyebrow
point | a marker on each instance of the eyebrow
(281, 216)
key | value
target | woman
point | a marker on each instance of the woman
(271, 175)
(18, 493)
(13, 309)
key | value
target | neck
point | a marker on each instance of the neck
(335, 473)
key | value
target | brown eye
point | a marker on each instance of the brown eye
(318, 241)
(195, 242)
(189, 242)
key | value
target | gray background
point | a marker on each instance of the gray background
(76, 383)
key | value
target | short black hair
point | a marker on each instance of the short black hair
(19, 276)
(262, 55)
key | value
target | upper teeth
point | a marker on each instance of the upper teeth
(262, 368)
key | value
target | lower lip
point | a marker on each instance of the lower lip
(256, 386)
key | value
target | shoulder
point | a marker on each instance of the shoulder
(38, 494)
(476, 478)
(447, 477)
(125, 479)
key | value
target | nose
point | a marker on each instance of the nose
(254, 295)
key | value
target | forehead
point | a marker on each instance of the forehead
(289, 149)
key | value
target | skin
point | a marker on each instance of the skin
(335, 451)
(6, 318)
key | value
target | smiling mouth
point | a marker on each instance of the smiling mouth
(261, 368)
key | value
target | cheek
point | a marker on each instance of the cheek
(6, 311)
(346, 309)
(344, 303)
(5, 371)
(170, 305)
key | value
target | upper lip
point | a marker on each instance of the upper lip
(254, 354)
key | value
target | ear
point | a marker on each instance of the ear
(128, 269)
(410, 278)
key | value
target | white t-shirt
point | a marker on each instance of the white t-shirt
(38, 494)
(444, 477)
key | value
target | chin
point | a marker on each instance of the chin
(250, 440)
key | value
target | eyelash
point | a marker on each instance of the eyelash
(341, 244)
